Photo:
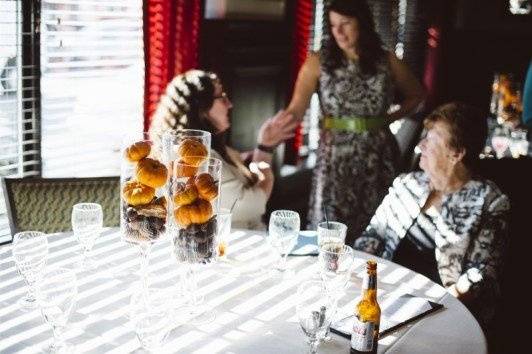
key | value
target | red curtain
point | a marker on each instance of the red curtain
(171, 44)
(304, 11)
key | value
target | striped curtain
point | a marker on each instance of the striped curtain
(171, 44)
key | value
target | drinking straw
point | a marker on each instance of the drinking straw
(233, 206)
(326, 218)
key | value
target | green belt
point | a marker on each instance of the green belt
(354, 124)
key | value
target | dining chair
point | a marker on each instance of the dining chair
(45, 204)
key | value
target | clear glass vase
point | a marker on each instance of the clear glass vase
(143, 205)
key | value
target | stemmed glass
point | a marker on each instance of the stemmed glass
(87, 224)
(143, 206)
(30, 249)
(315, 310)
(150, 317)
(283, 231)
(518, 143)
(195, 202)
(57, 296)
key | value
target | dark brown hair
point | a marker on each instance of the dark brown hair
(467, 126)
(369, 44)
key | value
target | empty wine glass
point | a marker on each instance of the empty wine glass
(87, 224)
(500, 141)
(283, 232)
(315, 310)
(150, 317)
(57, 296)
(223, 220)
(30, 249)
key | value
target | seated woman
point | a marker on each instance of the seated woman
(446, 222)
(196, 100)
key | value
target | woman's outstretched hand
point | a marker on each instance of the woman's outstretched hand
(277, 129)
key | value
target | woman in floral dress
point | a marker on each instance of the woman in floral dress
(355, 79)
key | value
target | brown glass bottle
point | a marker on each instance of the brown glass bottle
(365, 332)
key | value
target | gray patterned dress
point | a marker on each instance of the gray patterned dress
(353, 170)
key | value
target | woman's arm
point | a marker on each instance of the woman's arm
(306, 83)
(478, 284)
(411, 89)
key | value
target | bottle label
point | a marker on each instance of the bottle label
(362, 338)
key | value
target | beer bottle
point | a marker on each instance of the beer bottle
(365, 333)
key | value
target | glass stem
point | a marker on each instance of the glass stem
(192, 284)
(144, 262)
(31, 295)
(59, 340)
(313, 346)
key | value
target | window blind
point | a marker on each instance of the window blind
(92, 84)
(19, 95)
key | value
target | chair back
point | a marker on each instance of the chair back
(45, 204)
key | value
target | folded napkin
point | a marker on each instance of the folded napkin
(307, 244)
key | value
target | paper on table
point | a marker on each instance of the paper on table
(307, 244)
(396, 310)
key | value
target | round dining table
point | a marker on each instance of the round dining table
(254, 306)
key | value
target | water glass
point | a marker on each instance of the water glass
(30, 249)
(57, 296)
(500, 141)
(87, 224)
(223, 219)
(518, 143)
(315, 310)
(335, 261)
(331, 231)
(283, 232)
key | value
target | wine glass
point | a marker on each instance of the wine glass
(500, 141)
(283, 231)
(331, 231)
(335, 261)
(57, 296)
(315, 310)
(151, 318)
(87, 224)
(30, 249)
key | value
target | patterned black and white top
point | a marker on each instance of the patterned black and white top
(470, 234)
(353, 170)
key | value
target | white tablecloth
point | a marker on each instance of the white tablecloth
(255, 311)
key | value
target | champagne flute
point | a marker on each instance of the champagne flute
(30, 249)
(87, 224)
(283, 231)
(57, 296)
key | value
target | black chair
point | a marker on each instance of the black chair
(45, 204)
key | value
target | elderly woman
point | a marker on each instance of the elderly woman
(446, 222)
(196, 100)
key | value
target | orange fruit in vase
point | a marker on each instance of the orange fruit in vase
(137, 151)
(192, 152)
(198, 212)
(182, 169)
(207, 187)
(185, 194)
(151, 172)
(136, 193)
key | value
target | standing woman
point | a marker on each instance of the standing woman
(355, 79)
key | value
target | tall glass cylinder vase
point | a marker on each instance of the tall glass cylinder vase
(143, 206)
(195, 197)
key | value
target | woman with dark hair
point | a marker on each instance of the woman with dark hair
(355, 79)
(196, 100)
(446, 222)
